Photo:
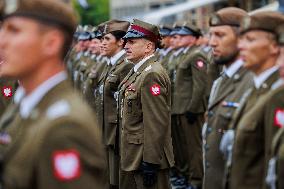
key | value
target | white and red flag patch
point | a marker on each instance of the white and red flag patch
(7, 91)
(279, 118)
(66, 164)
(155, 90)
(200, 64)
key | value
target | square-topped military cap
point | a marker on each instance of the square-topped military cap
(140, 29)
(280, 34)
(165, 30)
(188, 29)
(230, 16)
(265, 20)
(57, 13)
(115, 25)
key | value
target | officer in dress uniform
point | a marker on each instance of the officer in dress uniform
(56, 143)
(112, 47)
(245, 144)
(146, 150)
(227, 91)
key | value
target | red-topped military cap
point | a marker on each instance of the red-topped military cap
(140, 29)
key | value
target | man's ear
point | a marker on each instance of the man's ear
(52, 43)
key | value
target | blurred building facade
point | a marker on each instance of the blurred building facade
(149, 10)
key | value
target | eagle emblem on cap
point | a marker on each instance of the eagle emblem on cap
(10, 6)
(215, 19)
(105, 29)
(246, 22)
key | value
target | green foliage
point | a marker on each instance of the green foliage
(97, 12)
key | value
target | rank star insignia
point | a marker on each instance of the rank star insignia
(7, 92)
(155, 90)
(279, 118)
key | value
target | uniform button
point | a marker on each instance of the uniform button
(207, 164)
(206, 147)
(210, 114)
(209, 130)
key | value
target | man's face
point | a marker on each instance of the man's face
(21, 47)
(135, 49)
(187, 41)
(110, 46)
(256, 47)
(280, 61)
(94, 46)
(166, 41)
(175, 41)
(223, 41)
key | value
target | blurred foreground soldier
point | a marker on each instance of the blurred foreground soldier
(226, 92)
(275, 171)
(145, 142)
(112, 47)
(246, 145)
(57, 143)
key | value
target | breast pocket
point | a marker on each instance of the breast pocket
(113, 81)
(131, 102)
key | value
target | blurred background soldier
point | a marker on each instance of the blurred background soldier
(189, 105)
(146, 150)
(226, 91)
(246, 146)
(56, 143)
(167, 49)
(112, 47)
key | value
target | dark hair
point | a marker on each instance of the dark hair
(118, 34)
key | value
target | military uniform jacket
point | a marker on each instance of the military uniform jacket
(110, 96)
(57, 146)
(145, 98)
(220, 113)
(277, 149)
(252, 139)
(191, 83)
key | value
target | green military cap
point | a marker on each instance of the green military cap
(231, 16)
(189, 29)
(115, 25)
(280, 34)
(57, 13)
(140, 29)
(265, 20)
(165, 30)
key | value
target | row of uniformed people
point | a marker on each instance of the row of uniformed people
(131, 97)
(242, 134)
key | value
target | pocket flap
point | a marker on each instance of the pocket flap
(135, 138)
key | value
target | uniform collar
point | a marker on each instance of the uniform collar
(116, 57)
(261, 78)
(233, 68)
(178, 51)
(139, 64)
(29, 102)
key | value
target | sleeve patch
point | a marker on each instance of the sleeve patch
(155, 90)
(66, 165)
(200, 64)
(7, 91)
(279, 118)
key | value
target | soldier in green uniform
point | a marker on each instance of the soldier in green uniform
(226, 92)
(189, 104)
(146, 150)
(112, 47)
(247, 142)
(167, 50)
(56, 142)
(274, 109)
